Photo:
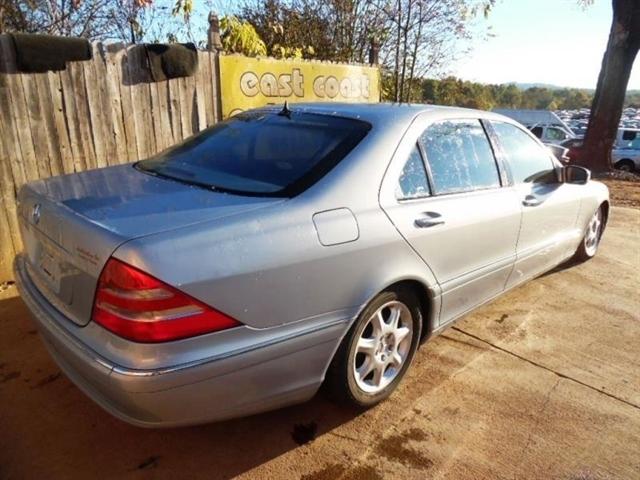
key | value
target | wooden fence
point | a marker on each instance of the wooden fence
(95, 113)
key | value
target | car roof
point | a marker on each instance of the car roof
(380, 113)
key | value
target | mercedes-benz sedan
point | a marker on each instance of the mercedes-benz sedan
(287, 247)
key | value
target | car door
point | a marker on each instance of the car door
(444, 192)
(548, 232)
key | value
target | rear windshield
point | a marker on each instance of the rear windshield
(261, 153)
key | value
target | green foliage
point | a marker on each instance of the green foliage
(281, 51)
(632, 99)
(453, 91)
(300, 30)
(184, 7)
(239, 36)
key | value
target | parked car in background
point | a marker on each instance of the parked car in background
(544, 124)
(628, 138)
(287, 247)
(574, 149)
(533, 117)
(626, 159)
(579, 129)
(551, 134)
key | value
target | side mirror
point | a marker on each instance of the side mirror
(576, 174)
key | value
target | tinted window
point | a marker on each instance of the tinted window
(413, 181)
(537, 131)
(528, 161)
(261, 153)
(459, 156)
(630, 139)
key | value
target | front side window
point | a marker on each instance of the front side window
(555, 134)
(528, 161)
(261, 153)
(630, 139)
(459, 156)
(413, 181)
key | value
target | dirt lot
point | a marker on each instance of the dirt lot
(542, 383)
(624, 193)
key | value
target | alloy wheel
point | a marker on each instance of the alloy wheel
(383, 347)
(592, 237)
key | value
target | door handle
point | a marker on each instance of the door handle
(531, 201)
(430, 219)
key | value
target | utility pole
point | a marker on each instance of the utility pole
(374, 51)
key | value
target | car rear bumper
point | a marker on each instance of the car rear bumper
(258, 380)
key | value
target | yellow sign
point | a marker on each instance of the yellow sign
(254, 82)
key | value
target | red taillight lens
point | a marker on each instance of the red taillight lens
(137, 306)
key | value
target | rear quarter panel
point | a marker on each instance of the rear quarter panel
(271, 269)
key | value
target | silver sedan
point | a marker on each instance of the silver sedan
(290, 247)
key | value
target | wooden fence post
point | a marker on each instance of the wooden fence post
(214, 44)
(213, 35)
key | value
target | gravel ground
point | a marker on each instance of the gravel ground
(542, 383)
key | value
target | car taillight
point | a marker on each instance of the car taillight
(139, 307)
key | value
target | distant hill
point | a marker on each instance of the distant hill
(550, 86)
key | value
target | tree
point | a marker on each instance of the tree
(291, 30)
(423, 37)
(239, 36)
(608, 101)
(509, 96)
(415, 37)
(91, 19)
(98, 20)
(453, 91)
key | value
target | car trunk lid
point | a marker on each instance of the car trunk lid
(72, 224)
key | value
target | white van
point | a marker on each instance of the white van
(628, 138)
(553, 134)
(626, 151)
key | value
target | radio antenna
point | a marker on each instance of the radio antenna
(285, 112)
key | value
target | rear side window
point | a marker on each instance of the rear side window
(261, 153)
(413, 181)
(528, 161)
(460, 157)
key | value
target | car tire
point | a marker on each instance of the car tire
(375, 341)
(591, 240)
(625, 165)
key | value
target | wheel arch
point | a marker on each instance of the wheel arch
(605, 210)
(427, 295)
(625, 161)
(426, 303)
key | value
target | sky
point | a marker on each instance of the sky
(542, 41)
